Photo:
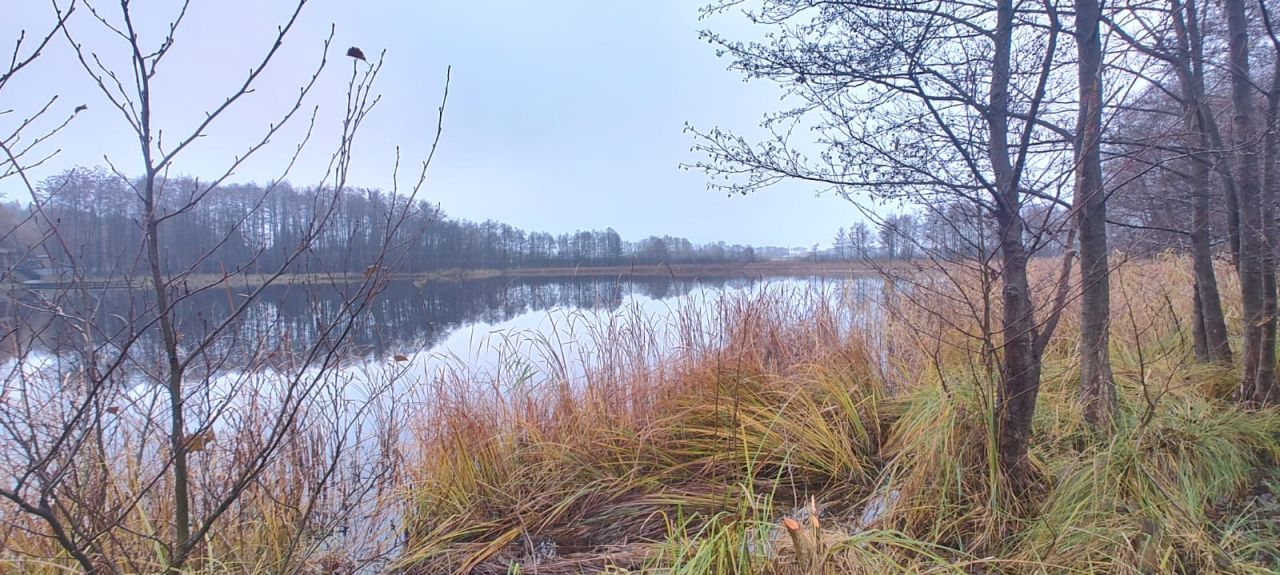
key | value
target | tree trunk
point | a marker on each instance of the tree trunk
(1097, 384)
(1198, 338)
(178, 549)
(177, 423)
(1020, 370)
(1209, 316)
(1258, 376)
(1191, 72)
(1212, 342)
(1231, 197)
(1270, 177)
(1217, 348)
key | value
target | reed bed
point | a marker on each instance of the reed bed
(868, 406)
(845, 427)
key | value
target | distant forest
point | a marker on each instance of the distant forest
(251, 227)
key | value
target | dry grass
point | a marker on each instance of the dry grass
(321, 504)
(679, 442)
(688, 464)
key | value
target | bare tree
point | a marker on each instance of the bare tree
(860, 240)
(1255, 269)
(22, 149)
(114, 454)
(1270, 181)
(1170, 33)
(889, 234)
(1174, 34)
(929, 103)
(1097, 384)
(25, 143)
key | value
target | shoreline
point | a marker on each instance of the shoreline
(681, 271)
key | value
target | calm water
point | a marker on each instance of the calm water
(427, 326)
(494, 335)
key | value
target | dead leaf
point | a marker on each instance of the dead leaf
(200, 441)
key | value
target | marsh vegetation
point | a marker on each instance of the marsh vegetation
(1047, 344)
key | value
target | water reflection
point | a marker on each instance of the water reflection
(405, 316)
(482, 334)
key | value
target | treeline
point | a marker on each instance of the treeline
(89, 221)
(951, 230)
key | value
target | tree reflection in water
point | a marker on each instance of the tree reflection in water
(407, 316)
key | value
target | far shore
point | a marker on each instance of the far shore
(683, 271)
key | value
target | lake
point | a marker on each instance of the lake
(476, 326)
(364, 398)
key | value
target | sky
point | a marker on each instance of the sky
(562, 114)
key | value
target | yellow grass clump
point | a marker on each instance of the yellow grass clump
(876, 404)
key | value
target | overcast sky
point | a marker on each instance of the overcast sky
(562, 115)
